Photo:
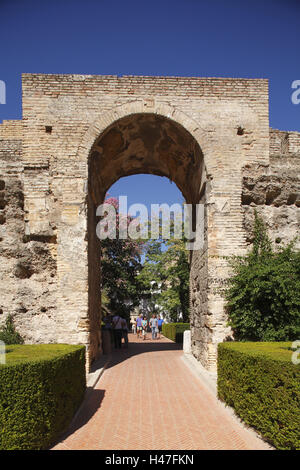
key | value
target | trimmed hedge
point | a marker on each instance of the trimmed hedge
(261, 383)
(174, 331)
(41, 387)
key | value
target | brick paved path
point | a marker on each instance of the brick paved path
(149, 399)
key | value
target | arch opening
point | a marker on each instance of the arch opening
(141, 143)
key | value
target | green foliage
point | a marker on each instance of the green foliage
(175, 296)
(163, 279)
(261, 383)
(8, 333)
(167, 267)
(263, 295)
(41, 387)
(120, 265)
(174, 331)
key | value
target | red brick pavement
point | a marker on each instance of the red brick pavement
(148, 398)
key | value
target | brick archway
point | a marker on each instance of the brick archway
(46, 162)
(103, 121)
(140, 143)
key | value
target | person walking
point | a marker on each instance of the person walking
(125, 332)
(139, 327)
(154, 326)
(160, 323)
(107, 334)
(117, 329)
(144, 326)
(134, 326)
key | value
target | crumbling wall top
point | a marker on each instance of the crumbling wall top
(284, 143)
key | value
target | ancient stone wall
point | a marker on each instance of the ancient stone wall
(27, 264)
(274, 190)
(50, 264)
(63, 115)
(11, 213)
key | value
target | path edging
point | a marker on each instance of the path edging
(209, 378)
(92, 379)
(99, 368)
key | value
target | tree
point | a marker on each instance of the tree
(120, 265)
(9, 334)
(162, 281)
(165, 276)
(175, 295)
(263, 294)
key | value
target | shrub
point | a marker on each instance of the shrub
(263, 295)
(41, 387)
(8, 333)
(261, 383)
(174, 331)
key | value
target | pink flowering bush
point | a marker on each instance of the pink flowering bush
(120, 265)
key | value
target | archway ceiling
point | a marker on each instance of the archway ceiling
(147, 143)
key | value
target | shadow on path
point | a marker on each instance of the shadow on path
(139, 346)
(94, 397)
(90, 405)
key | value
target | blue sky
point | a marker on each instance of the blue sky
(214, 38)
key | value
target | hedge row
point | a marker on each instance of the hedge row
(41, 387)
(261, 383)
(174, 331)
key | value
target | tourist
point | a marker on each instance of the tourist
(160, 323)
(134, 326)
(144, 326)
(154, 326)
(125, 332)
(139, 327)
(107, 320)
(117, 329)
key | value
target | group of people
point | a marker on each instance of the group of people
(141, 326)
(118, 328)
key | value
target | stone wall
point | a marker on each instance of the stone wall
(27, 264)
(50, 187)
(274, 190)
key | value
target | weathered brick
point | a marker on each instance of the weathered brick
(211, 136)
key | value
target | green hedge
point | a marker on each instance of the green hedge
(174, 331)
(261, 383)
(41, 387)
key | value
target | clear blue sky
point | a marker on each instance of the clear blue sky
(214, 38)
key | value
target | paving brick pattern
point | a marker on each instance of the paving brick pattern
(149, 399)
